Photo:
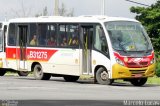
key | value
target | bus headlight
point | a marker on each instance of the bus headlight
(119, 61)
(152, 61)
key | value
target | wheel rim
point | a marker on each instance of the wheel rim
(104, 75)
(39, 71)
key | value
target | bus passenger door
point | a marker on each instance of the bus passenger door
(86, 54)
(21, 50)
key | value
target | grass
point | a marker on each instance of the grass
(151, 80)
(11, 74)
(16, 74)
(154, 80)
(86, 77)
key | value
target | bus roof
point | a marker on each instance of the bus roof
(61, 19)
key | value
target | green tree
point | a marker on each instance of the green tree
(150, 18)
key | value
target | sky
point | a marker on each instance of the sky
(17, 8)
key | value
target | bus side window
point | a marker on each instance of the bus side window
(68, 35)
(100, 42)
(12, 35)
(32, 31)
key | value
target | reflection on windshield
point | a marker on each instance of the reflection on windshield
(128, 36)
(1, 40)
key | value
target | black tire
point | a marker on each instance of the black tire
(2, 72)
(23, 73)
(39, 74)
(69, 78)
(102, 77)
(138, 81)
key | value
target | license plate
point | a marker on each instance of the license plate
(138, 75)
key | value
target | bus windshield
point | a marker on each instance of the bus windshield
(128, 36)
(1, 40)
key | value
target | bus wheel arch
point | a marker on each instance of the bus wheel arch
(101, 76)
(2, 72)
(33, 65)
(38, 72)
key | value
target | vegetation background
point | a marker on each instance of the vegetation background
(150, 18)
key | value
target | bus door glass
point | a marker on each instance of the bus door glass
(1, 40)
(4, 37)
(86, 41)
(1, 37)
(21, 50)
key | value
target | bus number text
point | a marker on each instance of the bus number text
(38, 55)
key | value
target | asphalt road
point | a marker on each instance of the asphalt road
(27, 88)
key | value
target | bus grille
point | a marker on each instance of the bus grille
(137, 65)
(135, 72)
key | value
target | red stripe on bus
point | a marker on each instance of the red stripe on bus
(30, 54)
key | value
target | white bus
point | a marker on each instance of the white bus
(106, 48)
(3, 30)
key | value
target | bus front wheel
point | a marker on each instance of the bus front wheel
(39, 74)
(23, 73)
(138, 81)
(2, 72)
(70, 78)
(102, 77)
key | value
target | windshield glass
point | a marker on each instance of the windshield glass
(1, 40)
(128, 36)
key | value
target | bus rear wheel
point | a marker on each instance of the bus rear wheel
(39, 74)
(138, 81)
(23, 73)
(102, 77)
(70, 78)
(2, 72)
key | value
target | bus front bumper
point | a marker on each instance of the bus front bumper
(122, 72)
